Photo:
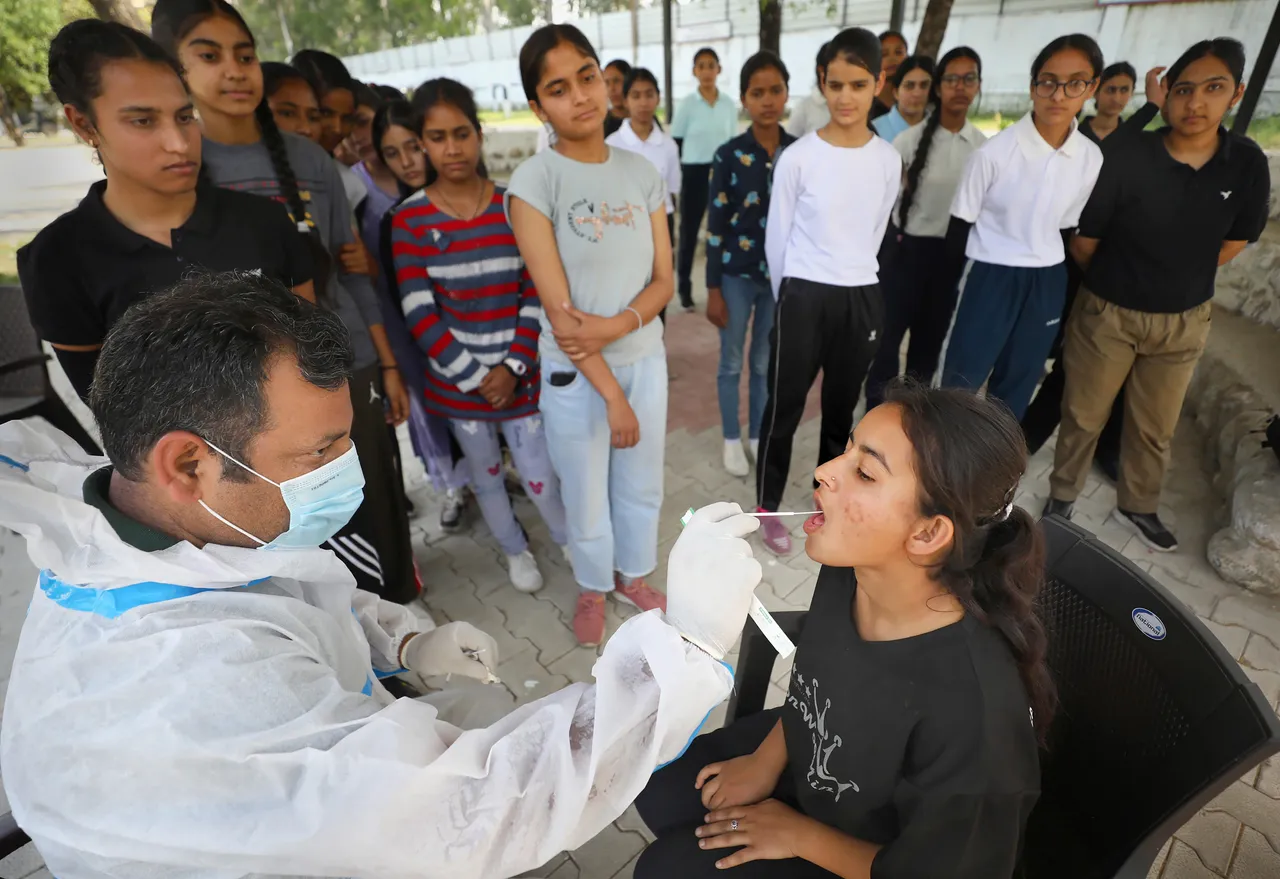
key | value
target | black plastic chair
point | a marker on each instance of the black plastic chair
(1156, 718)
(25, 389)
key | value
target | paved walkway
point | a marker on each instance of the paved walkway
(1237, 837)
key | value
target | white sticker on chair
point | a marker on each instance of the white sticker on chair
(1149, 624)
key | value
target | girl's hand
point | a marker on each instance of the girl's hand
(741, 781)
(498, 387)
(623, 424)
(397, 396)
(355, 259)
(717, 308)
(591, 333)
(1157, 88)
(769, 831)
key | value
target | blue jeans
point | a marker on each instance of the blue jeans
(612, 497)
(744, 296)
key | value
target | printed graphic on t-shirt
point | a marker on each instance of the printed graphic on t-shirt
(270, 188)
(589, 220)
(813, 710)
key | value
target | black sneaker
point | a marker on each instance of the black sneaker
(1150, 529)
(1054, 507)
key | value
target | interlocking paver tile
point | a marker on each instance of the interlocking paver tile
(1251, 807)
(1213, 836)
(632, 821)
(526, 679)
(1233, 638)
(1255, 858)
(1184, 863)
(607, 853)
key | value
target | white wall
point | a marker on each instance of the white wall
(1146, 35)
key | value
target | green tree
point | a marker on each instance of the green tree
(352, 27)
(26, 27)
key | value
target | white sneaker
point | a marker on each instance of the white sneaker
(524, 573)
(754, 446)
(455, 502)
(735, 458)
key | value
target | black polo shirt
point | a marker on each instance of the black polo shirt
(1161, 223)
(86, 268)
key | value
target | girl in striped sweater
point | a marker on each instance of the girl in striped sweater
(472, 307)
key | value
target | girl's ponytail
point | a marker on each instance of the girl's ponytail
(969, 456)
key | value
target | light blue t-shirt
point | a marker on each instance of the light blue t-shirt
(601, 216)
(704, 127)
(890, 125)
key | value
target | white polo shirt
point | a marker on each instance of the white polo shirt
(1020, 193)
(828, 211)
(660, 150)
(948, 154)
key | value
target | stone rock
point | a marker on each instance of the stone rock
(1228, 405)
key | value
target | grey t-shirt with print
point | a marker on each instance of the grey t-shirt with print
(248, 168)
(600, 212)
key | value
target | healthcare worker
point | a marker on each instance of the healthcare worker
(189, 702)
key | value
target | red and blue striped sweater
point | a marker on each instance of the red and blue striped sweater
(470, 304)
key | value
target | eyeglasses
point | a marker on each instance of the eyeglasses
(953, 80)
(1072, 88)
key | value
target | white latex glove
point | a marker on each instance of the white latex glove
(452, 649)
(712, 577)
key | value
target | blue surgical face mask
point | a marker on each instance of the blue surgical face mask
(319, 502)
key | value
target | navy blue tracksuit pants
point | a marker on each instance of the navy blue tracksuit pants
(1005, 325)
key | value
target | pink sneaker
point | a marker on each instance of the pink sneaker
(588, 619)
(639, 594)
(777, 539)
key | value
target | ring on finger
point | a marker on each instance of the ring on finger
(733, 825)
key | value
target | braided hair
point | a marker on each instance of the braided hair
(171, 21)
(933, 120)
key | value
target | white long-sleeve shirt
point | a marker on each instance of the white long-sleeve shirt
(659, 149)
(829, 211)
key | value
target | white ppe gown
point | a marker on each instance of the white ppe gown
(215, 713)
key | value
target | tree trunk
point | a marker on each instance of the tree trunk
(9, 121)
(635, 32)
(117, 10)
(934, 27)
(771, 25)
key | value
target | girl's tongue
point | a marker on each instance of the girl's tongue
(814, 522)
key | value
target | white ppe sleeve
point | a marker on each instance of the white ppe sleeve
(385, 625)
(269, 766)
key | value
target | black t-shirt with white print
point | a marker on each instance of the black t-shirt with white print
(922, 745)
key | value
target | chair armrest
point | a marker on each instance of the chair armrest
(755, 664)
(11, 836)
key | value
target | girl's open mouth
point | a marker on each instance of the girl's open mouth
(817, 520)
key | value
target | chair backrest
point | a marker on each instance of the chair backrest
(22, 370)
(1155, 719)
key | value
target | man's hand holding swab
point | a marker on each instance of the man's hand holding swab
(712, 576)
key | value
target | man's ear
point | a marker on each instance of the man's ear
(179, 463)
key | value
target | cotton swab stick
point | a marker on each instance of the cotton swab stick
(796, 513)
(763, 618)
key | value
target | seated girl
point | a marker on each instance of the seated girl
(907, 745)
(471, 305)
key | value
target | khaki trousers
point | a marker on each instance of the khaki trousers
(1152, 356)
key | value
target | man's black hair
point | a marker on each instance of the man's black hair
(196, 357)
